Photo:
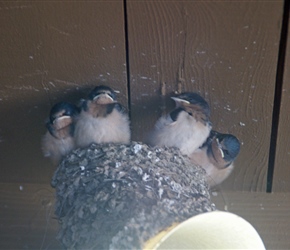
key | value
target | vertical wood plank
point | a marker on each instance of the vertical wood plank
(281, 181)
(268, 213)
(27, 219)
(52, 51)
(227, 51)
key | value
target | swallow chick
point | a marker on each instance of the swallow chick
(58, 140)
(102, 119)
(186, 127)
(217, 156)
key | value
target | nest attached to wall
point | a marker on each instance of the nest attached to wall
(118, 196)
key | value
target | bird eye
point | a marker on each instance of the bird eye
(67, 112)
(226, 152)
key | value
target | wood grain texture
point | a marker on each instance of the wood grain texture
(281, 181)
(52, 51)
(27, 215)
(268, 213)
(227, 51)
(27, 218)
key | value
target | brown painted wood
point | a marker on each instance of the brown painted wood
(52, 51)
(227, 51)
(27, 215)
(27, 218)
(268, 213)
(281, 181)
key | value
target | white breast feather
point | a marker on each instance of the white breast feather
(186, 133)
(54, 148)
(216, 176)
(113, 128)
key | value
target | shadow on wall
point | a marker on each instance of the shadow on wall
(21, 129)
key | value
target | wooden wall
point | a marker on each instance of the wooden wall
(228, 51)
(52, 51)
(281, 181)
(225, 50)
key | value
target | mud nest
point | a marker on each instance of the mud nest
(118, 196)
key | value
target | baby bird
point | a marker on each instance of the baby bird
(216, 156)
(58, 140)
(102, 119)
(186, 127)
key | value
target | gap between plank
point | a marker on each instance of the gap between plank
(278, 95)
(127, 56)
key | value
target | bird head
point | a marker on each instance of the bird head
(102, 95)
(193, 104)
(61, 115)
(224, 148)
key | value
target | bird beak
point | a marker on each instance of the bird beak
(61, 118)
(105, 95)
(178, 100)
(220, 148)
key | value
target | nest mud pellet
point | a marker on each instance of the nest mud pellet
(118, 196)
